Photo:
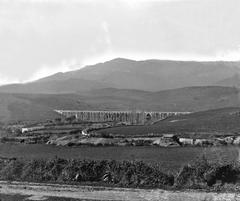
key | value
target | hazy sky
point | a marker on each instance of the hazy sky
(41, 37)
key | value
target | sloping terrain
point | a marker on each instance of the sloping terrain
(149, 75)
(54, 86)
(41, 106)
(219, 121)
(230, 82)
(13, 108)
(182, 99)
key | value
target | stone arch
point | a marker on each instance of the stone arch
(148, 116)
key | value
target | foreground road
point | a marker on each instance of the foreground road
(36, 190)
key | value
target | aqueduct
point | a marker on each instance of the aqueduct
(131, 117)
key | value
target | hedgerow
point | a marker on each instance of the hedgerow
(201, 174)
(125, 173)
(204, 174)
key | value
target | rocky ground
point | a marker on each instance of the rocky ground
(167, 140)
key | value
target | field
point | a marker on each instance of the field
(170, 159)
(213, 122)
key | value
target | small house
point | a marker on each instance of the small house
(30, 129)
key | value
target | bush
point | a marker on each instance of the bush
(12, 170)
(137, 174)
(33, 170)
(203, 174)
(125, 173)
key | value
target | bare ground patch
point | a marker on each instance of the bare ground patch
(41, 191)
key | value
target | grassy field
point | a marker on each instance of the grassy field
(170, 159)
(219, 122)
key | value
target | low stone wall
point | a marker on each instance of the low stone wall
(230, 140)
(142, 141)
(98, 141)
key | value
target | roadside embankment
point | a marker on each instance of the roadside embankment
(203, 173)
(44, 190)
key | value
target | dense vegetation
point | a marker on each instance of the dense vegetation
(170, 159)
(205, 174)
(125, 173)
(201, 174)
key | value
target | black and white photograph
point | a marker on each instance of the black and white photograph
(120, 100)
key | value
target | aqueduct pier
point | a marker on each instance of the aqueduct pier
(131, 117)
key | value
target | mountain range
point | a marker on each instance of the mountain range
(148, 75)
(123, 84)
(38, 107)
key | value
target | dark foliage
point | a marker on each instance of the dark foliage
(204, 174)
(126, 174)
(201, 174)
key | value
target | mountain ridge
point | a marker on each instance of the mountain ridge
(37, 107)
(147, 75)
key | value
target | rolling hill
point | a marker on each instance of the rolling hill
(233, 81)
(41, 106)
(211, 122)
(53, 87)
(148, 75)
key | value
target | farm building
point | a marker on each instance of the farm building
(186, 141)
(34, 128)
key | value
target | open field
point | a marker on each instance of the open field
(212, 122)
(170, 159)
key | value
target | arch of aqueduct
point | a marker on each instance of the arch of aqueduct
(131, 117)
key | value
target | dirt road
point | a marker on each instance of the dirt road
(37, 191)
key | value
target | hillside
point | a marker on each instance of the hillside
(231, 81)
(219, 121)
(53, 86)
(41, 106)
(148, 75)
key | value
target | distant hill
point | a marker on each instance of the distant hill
(53, 86)
(41, 106)
(148, 75)
(205, 123)
(233, 81)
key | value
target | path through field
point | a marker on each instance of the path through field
(36, 191)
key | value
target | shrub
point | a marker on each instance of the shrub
(125, 173)
(199, 174)
(12, 170)
(33, 170)
(203, 174)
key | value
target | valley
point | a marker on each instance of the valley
(125, 100)
(101, 133)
